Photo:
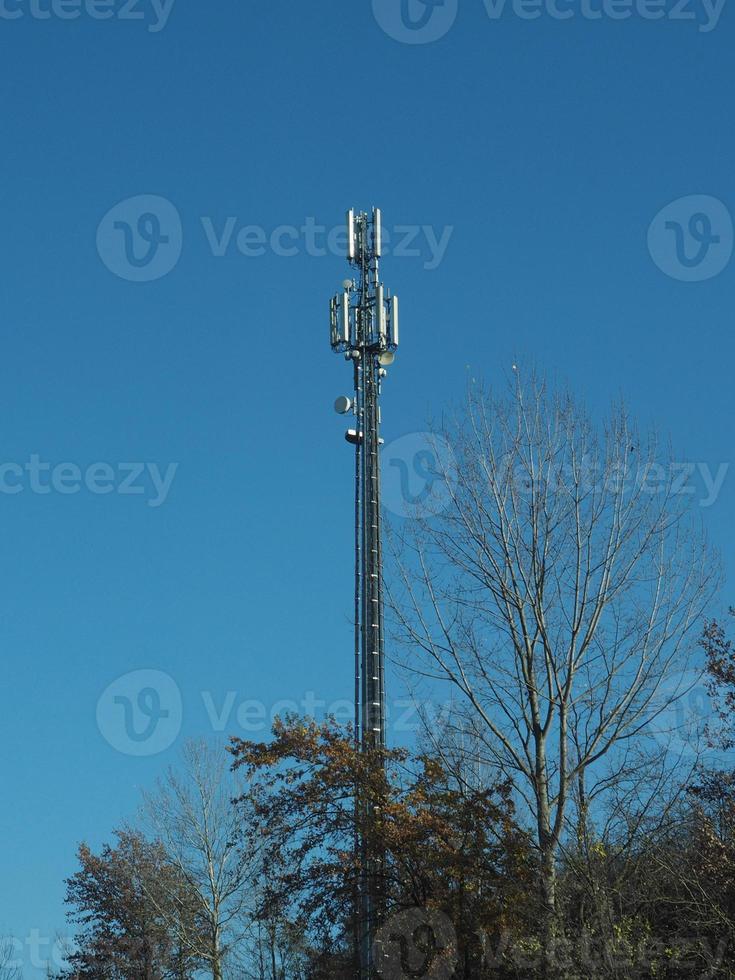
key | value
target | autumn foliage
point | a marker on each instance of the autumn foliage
(444, 845)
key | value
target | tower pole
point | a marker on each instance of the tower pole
(364, 327)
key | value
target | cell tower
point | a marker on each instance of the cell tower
(364, 327)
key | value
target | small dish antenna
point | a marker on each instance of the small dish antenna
(343, 405)
(387, 358)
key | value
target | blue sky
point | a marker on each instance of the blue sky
(544, 148)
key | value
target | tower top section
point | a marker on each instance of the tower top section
(363, 318)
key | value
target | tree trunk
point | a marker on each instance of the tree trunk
(274, 967)
(216, 956)
(547, 849)
(550, 925)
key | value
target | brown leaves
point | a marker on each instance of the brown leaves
(314, 792)
(720, 661)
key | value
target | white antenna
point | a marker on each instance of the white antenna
(393, 338)
(351, 246)
(377, 232)
(380, 312)
(344, 317)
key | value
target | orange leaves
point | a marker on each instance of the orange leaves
(316, 792)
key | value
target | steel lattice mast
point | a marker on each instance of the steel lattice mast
(364, 327)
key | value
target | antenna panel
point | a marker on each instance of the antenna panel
(380, 313)
(344, 318)
(351, 235)
(333, 331)
(377, 232)
(394, 322)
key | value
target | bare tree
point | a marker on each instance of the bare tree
(557, 591)
(277, 951)
(191, 812)
(9, 970)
